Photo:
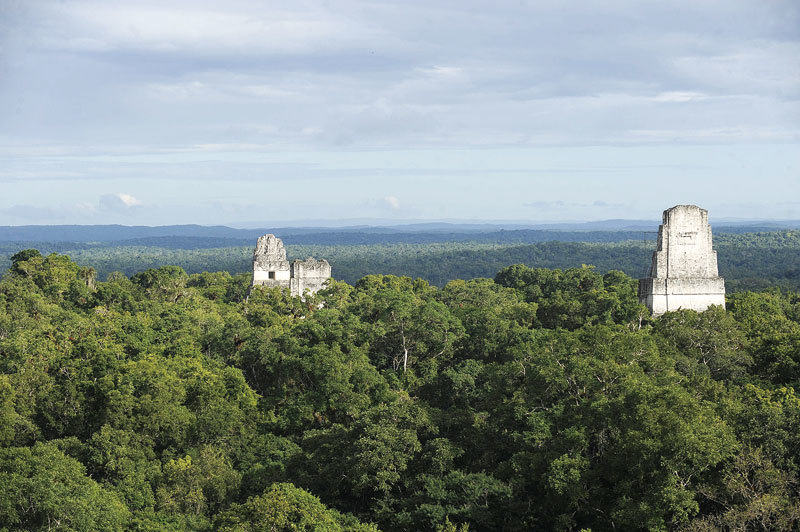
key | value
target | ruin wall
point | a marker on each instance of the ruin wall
(683, 272)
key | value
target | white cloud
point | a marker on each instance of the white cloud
(128, 200)
(679, 97)
(768, 68)
(181, 27)
(119, 202)
(442, 71)
(392, 202)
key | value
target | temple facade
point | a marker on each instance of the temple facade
(683, 273)
(271, 268)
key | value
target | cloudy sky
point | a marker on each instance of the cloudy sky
(156, 112)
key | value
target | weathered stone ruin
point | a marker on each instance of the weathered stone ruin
(683, 273)
(270, 268)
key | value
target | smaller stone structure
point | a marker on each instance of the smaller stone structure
(270, 268)
(683, 272)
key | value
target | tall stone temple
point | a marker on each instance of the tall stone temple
(683, 273)
(270, 268)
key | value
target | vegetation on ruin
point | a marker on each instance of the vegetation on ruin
(540, 399)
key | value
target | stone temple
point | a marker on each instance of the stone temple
(683, 273)
(270, 268)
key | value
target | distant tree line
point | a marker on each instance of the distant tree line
(747, 261)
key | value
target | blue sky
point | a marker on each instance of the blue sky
(282, 112)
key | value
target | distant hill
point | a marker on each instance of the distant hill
(92, 239)
(200, 236)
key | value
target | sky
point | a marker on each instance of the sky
(252, 112)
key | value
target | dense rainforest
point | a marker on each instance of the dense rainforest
(748, 261)
(541, 399)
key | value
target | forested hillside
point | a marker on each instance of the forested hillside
(749, 261)
(537, 400)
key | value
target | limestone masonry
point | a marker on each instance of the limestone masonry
(270, 268)
(683, 273)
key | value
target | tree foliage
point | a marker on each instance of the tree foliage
(538, 400)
